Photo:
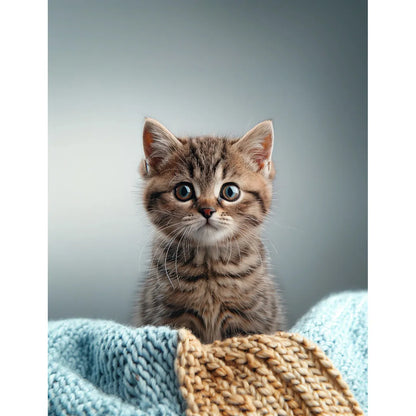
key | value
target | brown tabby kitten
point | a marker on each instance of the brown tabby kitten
(208, 197)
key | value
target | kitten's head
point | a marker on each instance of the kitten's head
(207, 189)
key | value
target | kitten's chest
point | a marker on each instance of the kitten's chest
(211, 280)
(214, 264)
(209, 300)
(208, 286)
(212, 291)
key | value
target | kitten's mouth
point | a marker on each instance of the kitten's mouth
(209, 225)
(209, 233)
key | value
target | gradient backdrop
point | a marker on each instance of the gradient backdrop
(203, 67)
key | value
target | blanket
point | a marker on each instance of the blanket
(319, 367)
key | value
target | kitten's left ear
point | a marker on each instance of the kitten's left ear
(257, 146)
(158, 144)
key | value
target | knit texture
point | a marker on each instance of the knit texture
(98, 367)
(103, 368)
(338, 324)
(282, 374)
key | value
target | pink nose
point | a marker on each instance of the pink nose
(207, 212)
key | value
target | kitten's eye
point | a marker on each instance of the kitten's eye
(184, 191)
(230, 192)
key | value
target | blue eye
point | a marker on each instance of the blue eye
(184, 191)
(230, 192)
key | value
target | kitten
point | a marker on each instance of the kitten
(208, 197)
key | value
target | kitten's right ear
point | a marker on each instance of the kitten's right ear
(158, 145)
(257, 146)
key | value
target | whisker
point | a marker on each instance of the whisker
(166, 256)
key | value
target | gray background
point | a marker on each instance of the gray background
(203, 67)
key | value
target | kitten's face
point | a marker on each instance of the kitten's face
(206, 189)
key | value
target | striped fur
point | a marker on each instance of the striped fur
(209, 275)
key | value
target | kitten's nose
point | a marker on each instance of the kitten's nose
(207, 212)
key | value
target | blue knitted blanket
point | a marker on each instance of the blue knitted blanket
(104, 368)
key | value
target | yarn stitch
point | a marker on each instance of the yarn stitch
(103, 368)
(338, 324)
(282, 374)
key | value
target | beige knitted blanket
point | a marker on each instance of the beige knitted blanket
(282, 374)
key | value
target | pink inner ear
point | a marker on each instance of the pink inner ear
(262, 155)
(147, 145)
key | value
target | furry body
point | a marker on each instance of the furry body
(209, 269)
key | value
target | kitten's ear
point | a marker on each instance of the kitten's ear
(257, 146)
(158, 145)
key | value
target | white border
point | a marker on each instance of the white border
(23, 212)
(23, 218)
(392, 207)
